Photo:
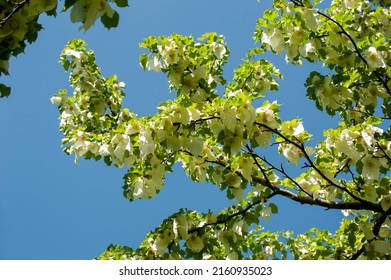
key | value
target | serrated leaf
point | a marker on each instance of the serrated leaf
(110, 22)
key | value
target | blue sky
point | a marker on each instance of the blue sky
(51, 208)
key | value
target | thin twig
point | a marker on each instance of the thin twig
(14, 11)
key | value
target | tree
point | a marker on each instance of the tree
(19, 23)
(226, 139)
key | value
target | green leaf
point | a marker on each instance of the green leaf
(33, 28)
(52, 12)
(274, 208)
(110, 22)
(122, 3)
(4, 91)
(68, 4)
(144, 60)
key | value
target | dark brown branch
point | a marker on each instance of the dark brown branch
(357, 50)
(377, 74)
(199, 121)
(376, 230)
(383, 151)
(301, 147)
(239, 213)
(359, 205)
(281, 170)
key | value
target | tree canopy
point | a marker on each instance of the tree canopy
(19, 23)
(230, 134)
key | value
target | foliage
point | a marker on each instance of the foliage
(222, 138)
(19, 23)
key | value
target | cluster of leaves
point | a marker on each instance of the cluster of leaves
(222, 138)
(19, 23)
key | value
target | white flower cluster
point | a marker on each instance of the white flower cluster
(184, 74)
(360, 146)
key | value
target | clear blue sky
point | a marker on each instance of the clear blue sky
(51, 208)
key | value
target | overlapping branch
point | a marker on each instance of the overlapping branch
(356, 48)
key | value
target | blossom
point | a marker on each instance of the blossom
(370, 193)
(228, 117)
(368, 134)
(234, 142)
(239, 227)
(56, 100)
(246, 113)
(275, 39)
(105, 150)
(169, 54)
(154, 64)
(122, 142)
(308, 50)
(265, 213)
(370, 169)
(174, 77)
(262, 137)
(219, 50)
(297, 36)
(225, 237)
(291, 153)
(266, 115)
(233, 180)
(179, 114)
(195, 145)
(245, 166)
(73, 53)
(173, 143)
(181, 227)
(217, 175)
(146, 144)
(310, 18)
(346, 144)
(349, 3)
(294, 128)
(269, 250)
(374, 58)
(160, 244)
(142, 189)
(195, 243)
(189, 83)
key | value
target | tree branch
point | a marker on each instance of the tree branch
(281, 170)
(239, 213)
(359, 205)
(14, 11)
(301, 147)
(376, 230)
(377, 74)
(299, 3)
